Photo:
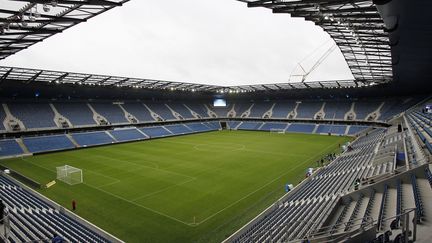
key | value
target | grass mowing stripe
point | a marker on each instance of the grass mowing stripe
(195, 195)
(265, 185)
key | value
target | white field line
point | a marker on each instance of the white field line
(141, 206)
(161, 190)
(243, 148)
(156, 166)
(121, 198)
(97, 173)
(153, 168)
(241, 199)
(109, 184)
(192, 178)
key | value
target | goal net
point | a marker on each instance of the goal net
(69, 175)
(276, 130)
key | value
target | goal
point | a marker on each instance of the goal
(276, 130)
(69, 175)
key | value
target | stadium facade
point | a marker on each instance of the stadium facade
(385, 109)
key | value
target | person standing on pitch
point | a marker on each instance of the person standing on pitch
(73, 205)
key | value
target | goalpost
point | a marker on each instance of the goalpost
(69, 175)
(276, 130)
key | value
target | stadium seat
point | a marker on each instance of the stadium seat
(48, 143)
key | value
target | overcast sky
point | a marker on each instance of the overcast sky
(201, 41)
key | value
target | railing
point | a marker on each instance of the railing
(325, 234)
(6, 229)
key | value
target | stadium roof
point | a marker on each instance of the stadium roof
(26, 22)
(28, 76)
(356, 26)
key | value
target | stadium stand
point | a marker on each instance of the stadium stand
(200, 109)
(259, 109)
(139, 111)
(268, 126)
(79, 114)
(10, 147)
(283, 108)
(213, 125)
(43, 118)
(308, 109)
(241, 108)
(156, 132)
(233, 124)
(161, 110)
(364, 107)
(182, 110)
(110, 111)
(2, 118)
(377, 190)
(303, 210)
(333, 129)
(370, 156)
(128, 134)
(397, 106)
(222, 111)
(198, 127)
(48, 143)
(249, 125)
(336, 110)
(356, 129)
(92, 138)
(301, 128)
(32, 219)
(178, 129)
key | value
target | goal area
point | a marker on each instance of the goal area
(69, 175)
(276, 130)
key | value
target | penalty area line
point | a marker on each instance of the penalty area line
(141, 206)
(124, 199)
(265, 185)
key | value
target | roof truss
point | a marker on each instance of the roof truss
(28, 76)
(26, 22)
(355, 25)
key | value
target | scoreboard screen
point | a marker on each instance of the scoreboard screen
(219, 103)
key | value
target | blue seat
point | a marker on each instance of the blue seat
(162, 111)
(182, 110)
(10, 147)
(92, 138)
(249, 125)
(155, 132)
(113, 113)
(178, 129)
(48, 143)
(139, 111)
(301, 128)
(79, 114)
(33, 115)
(123, 135)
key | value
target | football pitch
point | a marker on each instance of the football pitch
(194, 188)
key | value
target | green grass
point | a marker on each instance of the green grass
(195, 188)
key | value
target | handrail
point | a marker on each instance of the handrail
(370, 223)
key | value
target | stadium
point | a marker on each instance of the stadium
(94, 157)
